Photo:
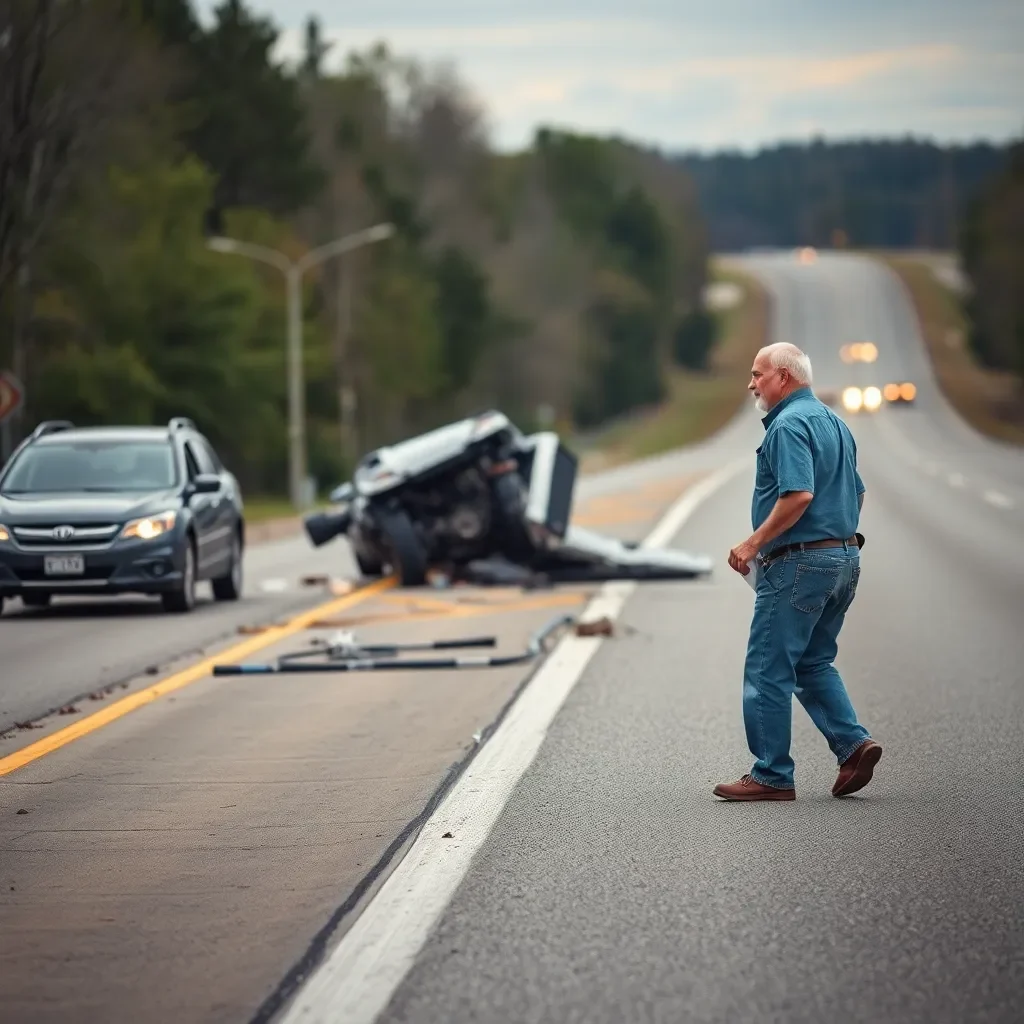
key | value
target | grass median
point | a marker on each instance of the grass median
(989, 400)
(699, 404)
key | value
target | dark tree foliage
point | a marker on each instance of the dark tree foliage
(889, 194)
(992, 252)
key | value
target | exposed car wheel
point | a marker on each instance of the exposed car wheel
(33, 600)
(229, 587)
(405, 552)
(184, 598)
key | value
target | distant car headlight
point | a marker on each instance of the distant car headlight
(872, 398)
(151, 526)
(4, 535)
(853, 399)
(905, 392)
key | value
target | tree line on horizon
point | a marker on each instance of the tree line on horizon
(904, 193)
(561, 283)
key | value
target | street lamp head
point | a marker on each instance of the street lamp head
(219, 244)
(381, 231)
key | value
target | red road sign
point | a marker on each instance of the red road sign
(12, 394)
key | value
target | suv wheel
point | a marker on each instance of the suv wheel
(229, 587)
(184, 598)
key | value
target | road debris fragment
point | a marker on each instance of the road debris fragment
(596, 627)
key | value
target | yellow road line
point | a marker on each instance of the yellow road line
(179, 680)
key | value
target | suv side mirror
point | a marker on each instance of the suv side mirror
(205, 483)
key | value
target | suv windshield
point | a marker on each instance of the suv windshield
(92, 466)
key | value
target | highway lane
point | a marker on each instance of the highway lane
(53, 656)
(179, 862)
(614, 887)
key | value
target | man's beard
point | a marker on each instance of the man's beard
(760, 404)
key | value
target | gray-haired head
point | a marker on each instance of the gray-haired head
(784, 355)
(778, 370)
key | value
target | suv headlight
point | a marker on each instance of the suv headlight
(4, 534)
(151, 526)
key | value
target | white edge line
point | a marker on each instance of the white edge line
(356, 982)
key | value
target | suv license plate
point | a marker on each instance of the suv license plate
(64, 565)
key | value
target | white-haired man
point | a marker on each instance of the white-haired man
(806, 508)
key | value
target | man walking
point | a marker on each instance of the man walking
(805, 511)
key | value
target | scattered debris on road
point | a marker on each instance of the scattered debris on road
(342, 653)
(250, 630)
(597, 627)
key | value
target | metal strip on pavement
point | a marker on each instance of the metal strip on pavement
(358, 979)
(201, 670)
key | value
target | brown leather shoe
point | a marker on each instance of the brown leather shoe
(748, 788)
(856, 771)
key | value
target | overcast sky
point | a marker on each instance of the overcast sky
(689, 75)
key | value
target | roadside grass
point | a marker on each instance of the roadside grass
(991, 401)
(699, 404)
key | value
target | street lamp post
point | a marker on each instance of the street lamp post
(293, 271)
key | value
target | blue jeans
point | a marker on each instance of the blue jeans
(801, 601)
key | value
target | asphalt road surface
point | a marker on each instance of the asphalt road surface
(177, 864)
(614, 888)
(182, 848)
(54, 656)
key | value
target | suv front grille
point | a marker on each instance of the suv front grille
(56, 536)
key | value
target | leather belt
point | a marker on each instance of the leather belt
(856, 541)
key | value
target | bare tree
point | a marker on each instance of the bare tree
(70, 70)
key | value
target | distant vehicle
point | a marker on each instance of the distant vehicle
(117, 510)
(867, 399)
(859, 352)
(900, 394)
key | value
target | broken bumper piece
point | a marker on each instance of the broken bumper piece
(588, 557)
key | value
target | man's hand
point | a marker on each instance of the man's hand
(788, 509)
(740, 555)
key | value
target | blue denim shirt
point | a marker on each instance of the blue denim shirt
(807, 447)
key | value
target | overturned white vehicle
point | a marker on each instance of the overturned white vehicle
(484, 502)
